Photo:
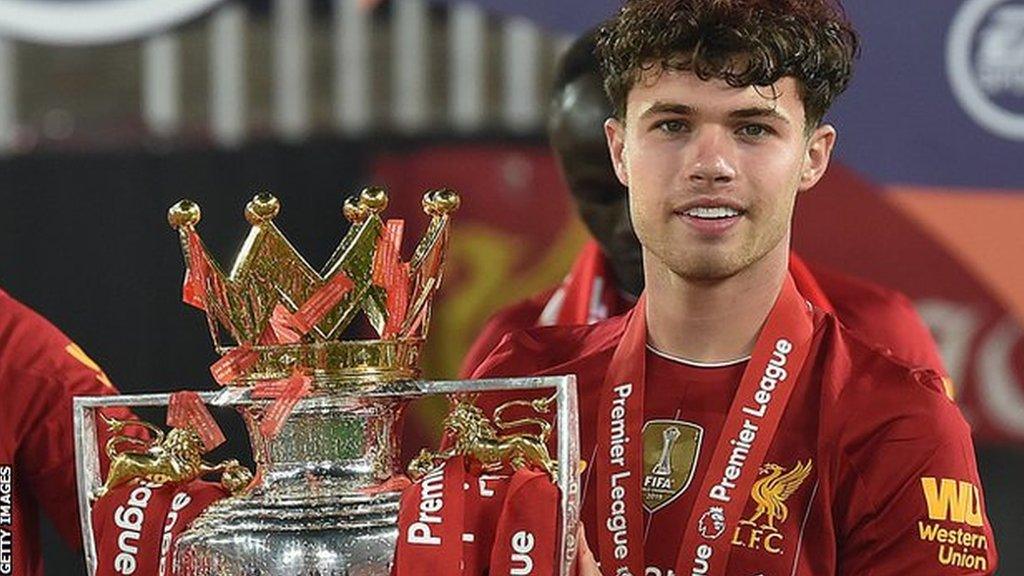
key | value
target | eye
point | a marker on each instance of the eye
(755, 131)
(671, 126)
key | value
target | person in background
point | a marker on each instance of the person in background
(41, 370)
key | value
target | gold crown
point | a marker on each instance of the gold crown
(286, 316)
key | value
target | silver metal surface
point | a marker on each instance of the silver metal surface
(310, 512)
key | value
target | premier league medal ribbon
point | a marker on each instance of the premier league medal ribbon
(186, 410)
(619, 457)
(750, 426)
(136, 525)
(485, 499)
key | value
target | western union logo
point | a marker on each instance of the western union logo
(953, 500)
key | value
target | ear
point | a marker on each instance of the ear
(615, 133)
(819, 153)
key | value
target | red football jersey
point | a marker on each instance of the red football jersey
(40, 371)
(881, 316)
(872, 470)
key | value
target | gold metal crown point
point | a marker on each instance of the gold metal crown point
(441, 202)
(355, 212)
(374, 199)
(262, 208)
(184, 213)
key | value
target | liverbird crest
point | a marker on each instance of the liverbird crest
(283, 315)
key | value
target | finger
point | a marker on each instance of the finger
(586, 561)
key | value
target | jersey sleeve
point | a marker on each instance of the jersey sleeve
(519, 316)
(883, 317)
(910, 500)
(45, 371)
(482, 347)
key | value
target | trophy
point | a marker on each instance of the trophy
(323, 413)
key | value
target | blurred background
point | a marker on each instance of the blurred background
(112, 110)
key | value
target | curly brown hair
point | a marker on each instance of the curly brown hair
(743, 42)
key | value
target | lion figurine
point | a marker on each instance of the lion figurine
(476, 437)
(176, 457)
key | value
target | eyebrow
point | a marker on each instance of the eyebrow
(742, 113)
(758, 112)
(667, 108)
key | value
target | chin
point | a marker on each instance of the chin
(708, 268)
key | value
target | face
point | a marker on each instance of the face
(713, 171)
(575, 128)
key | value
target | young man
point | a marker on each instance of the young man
(607, 276)
(730, 426)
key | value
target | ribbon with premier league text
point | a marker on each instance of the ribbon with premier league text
(526, 539)
(430, 521)
(137, 524)
(753, 418)
(455, 521)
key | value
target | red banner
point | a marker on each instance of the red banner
(186, 410)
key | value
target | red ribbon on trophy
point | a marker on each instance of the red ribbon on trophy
(751, 423)
(286, 394)
(430, 521)
(321, 302)
(280, 328)
(458, 522)
(186, 410)
(193, 291)
(390, 273)
(136, 525)
(234, 364)
(526, 541)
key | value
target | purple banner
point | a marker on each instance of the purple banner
(937, 99)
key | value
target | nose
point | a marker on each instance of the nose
(710, 160)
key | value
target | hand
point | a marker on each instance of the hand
(585, 562)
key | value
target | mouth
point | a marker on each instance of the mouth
(712, 212)
(711, 217)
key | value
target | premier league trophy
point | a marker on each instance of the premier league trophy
(323, 413)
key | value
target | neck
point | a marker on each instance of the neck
(712, 320)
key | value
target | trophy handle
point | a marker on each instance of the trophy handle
(567, 441)
(87, 457)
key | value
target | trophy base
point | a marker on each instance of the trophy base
(352, 535)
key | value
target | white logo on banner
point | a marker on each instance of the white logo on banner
(983, 354)
(985, 63)
(77, 23)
